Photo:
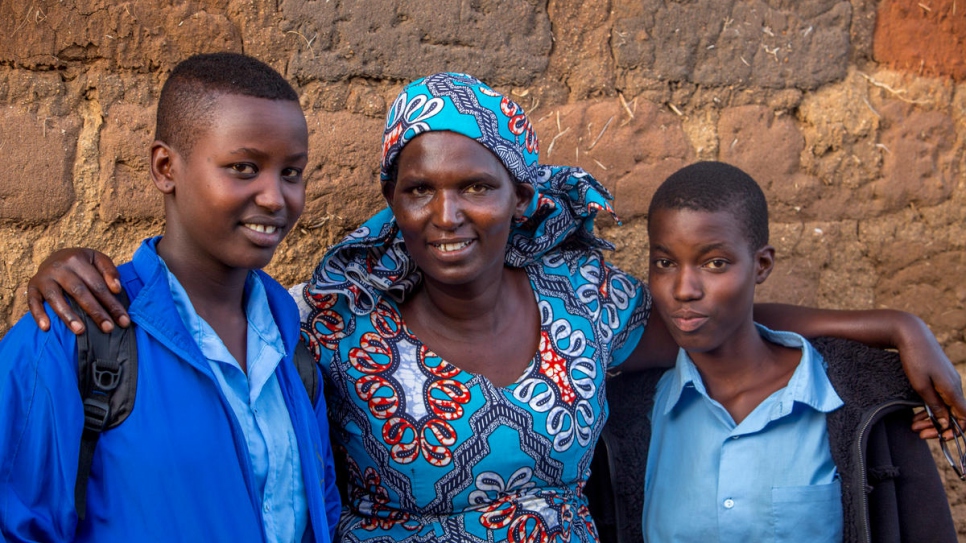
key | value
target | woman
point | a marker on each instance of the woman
(468, 327)
(466, 330)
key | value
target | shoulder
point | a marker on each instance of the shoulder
(583, 267)
(31, 359)
(312, 301)
(863, 374)
(26, 336)
(279, 298)
(630, 393)
(327, 319)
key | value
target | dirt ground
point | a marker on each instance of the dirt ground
(851, 114)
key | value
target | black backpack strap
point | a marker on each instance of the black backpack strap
(308, 370)
(107, 371)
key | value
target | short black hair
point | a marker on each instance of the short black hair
(715, 186)
(189, 95)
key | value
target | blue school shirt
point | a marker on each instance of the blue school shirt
(768, 479)
(257, 402)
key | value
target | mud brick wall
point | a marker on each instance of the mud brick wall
(850, 113)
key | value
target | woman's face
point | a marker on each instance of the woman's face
(454, 202)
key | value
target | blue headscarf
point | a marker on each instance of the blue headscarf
(373, 262)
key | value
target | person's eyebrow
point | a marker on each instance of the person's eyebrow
(716, 246)
(702, 250)
(247, 151)
(251, 151)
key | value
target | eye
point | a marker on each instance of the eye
(419, 191)
(292, 175)
(662, 263)
(244, 168)
(477, 188)
(717, 264)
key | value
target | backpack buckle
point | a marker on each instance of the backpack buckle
(96, 413)
(107, 375)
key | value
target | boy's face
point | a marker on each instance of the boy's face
(703, 275)
(239, 192)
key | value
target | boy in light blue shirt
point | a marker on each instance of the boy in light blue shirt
(740, 437)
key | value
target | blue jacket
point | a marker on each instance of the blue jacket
(177, 469)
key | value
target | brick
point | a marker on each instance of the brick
(920, 158)
(630, 157)
(343, 171)
(38, 152)
(138, 34)
(499, 42)
(923, 41)
(801, 44)
(768, 147)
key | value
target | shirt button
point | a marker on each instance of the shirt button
(266, 508)
(735, 437)
(729, 503)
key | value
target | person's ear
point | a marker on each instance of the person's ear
(525, 192)
(764, 263)
(162, 164)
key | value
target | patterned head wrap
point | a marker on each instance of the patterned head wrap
(373, 262)
(463, 104)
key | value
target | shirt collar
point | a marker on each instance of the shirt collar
(265, 348)
(809, 385)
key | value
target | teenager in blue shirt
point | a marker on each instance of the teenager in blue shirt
(222, 443)
(740, 435)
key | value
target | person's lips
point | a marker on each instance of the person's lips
(264, 233)
(688, 320)
(451, 248)
(263, 228)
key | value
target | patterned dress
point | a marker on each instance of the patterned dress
(434, 453)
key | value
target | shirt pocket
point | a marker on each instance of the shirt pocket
(808, 513)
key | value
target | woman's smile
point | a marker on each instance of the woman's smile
(452, 247)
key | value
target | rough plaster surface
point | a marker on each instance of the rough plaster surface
(851, 114)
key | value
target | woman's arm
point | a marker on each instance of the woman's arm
(87, 276)
(929, 370)
(91, 279)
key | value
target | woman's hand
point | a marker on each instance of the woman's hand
(931, 374)
(87, 276)
(923, 424)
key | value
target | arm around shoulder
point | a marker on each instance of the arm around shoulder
(929, 370)
(655, 350)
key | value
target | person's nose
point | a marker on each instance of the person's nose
(447, 210)
(687, 284)
(269, 195)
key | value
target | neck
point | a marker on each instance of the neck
(745, 371)
(210, 288)
(466, 311)
(740, 358)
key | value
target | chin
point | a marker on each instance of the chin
(693, 343)
(256, 261)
